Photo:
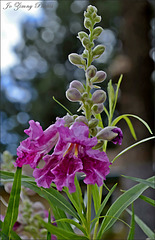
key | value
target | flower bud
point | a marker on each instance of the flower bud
(77, 60)
(97, 19)
(91, 71)
(85, 96)
(99, 77)
(113, 134)
(87, 23)
(68, 120)
(82, 34)
(93, 123)
(97, 108)
(78, 85)
(73, 95)
(91, 9)
(86, 43)
(97, 51)
(96, 32)
(81, 119)
(99, 96)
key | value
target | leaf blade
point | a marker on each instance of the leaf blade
(12, 210)
(121, 204)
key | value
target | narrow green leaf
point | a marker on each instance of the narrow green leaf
(61, 233)
(83, 219)
(121, 204)
(62, 105)
(132, 229)
(73, 223)
(116, 94)
(12, 210)
(143, 226)
(59, 214)
(103, 205)
(100, 124)
(106, 111)
(116, 120)
(148, 183)
(96, 197)
(54, 197)
(77, 195)
(148, 200)
(49, 221)
(9, 177)
(111, 96)
(134, 145)
(130, 127)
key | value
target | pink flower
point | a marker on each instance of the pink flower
(38, 144)
(73, 153)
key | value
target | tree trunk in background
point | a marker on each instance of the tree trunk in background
(137, 98)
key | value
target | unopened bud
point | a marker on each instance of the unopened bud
(107, 134)
(99, 96)
(81, 119)
(91, 71)
(77, 60)
(82, 34)
(86, 43)
(97, 19)
(97, 51)
(96, 32)
(78, 85)
(93, 123)
(113, 134)
(68, 120)
(87, 23)
(99, 77)
(73, 95)
(97, 108)
(85, 96)
(91, 9)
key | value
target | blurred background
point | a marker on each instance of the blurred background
(36, 42)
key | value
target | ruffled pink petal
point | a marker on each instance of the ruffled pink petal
(95, 166)
(65, 171)
(35, 130)
(38, 144)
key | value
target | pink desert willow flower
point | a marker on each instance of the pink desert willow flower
(73, 153)
(38, 144)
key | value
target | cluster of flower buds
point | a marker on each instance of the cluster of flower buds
(91, 102)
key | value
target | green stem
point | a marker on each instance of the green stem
(89, 191)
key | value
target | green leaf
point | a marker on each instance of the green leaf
(143, 226)
(121, 204)
(59, 214)
(116, 94)
(12, 210)
(73, 223)
(111, 96)
(61, 233)
(134, 145)
(103, 204)
(148, 183)
(148, 200)
(49, 221)
(77, 195)
(130, 127)
(96, 197)
(75, 204)
(62, 105)
(9, 177)
(54, 197)
(100, 124)
(132, 229)
(116, 120)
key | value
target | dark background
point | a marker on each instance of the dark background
(44, 71)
